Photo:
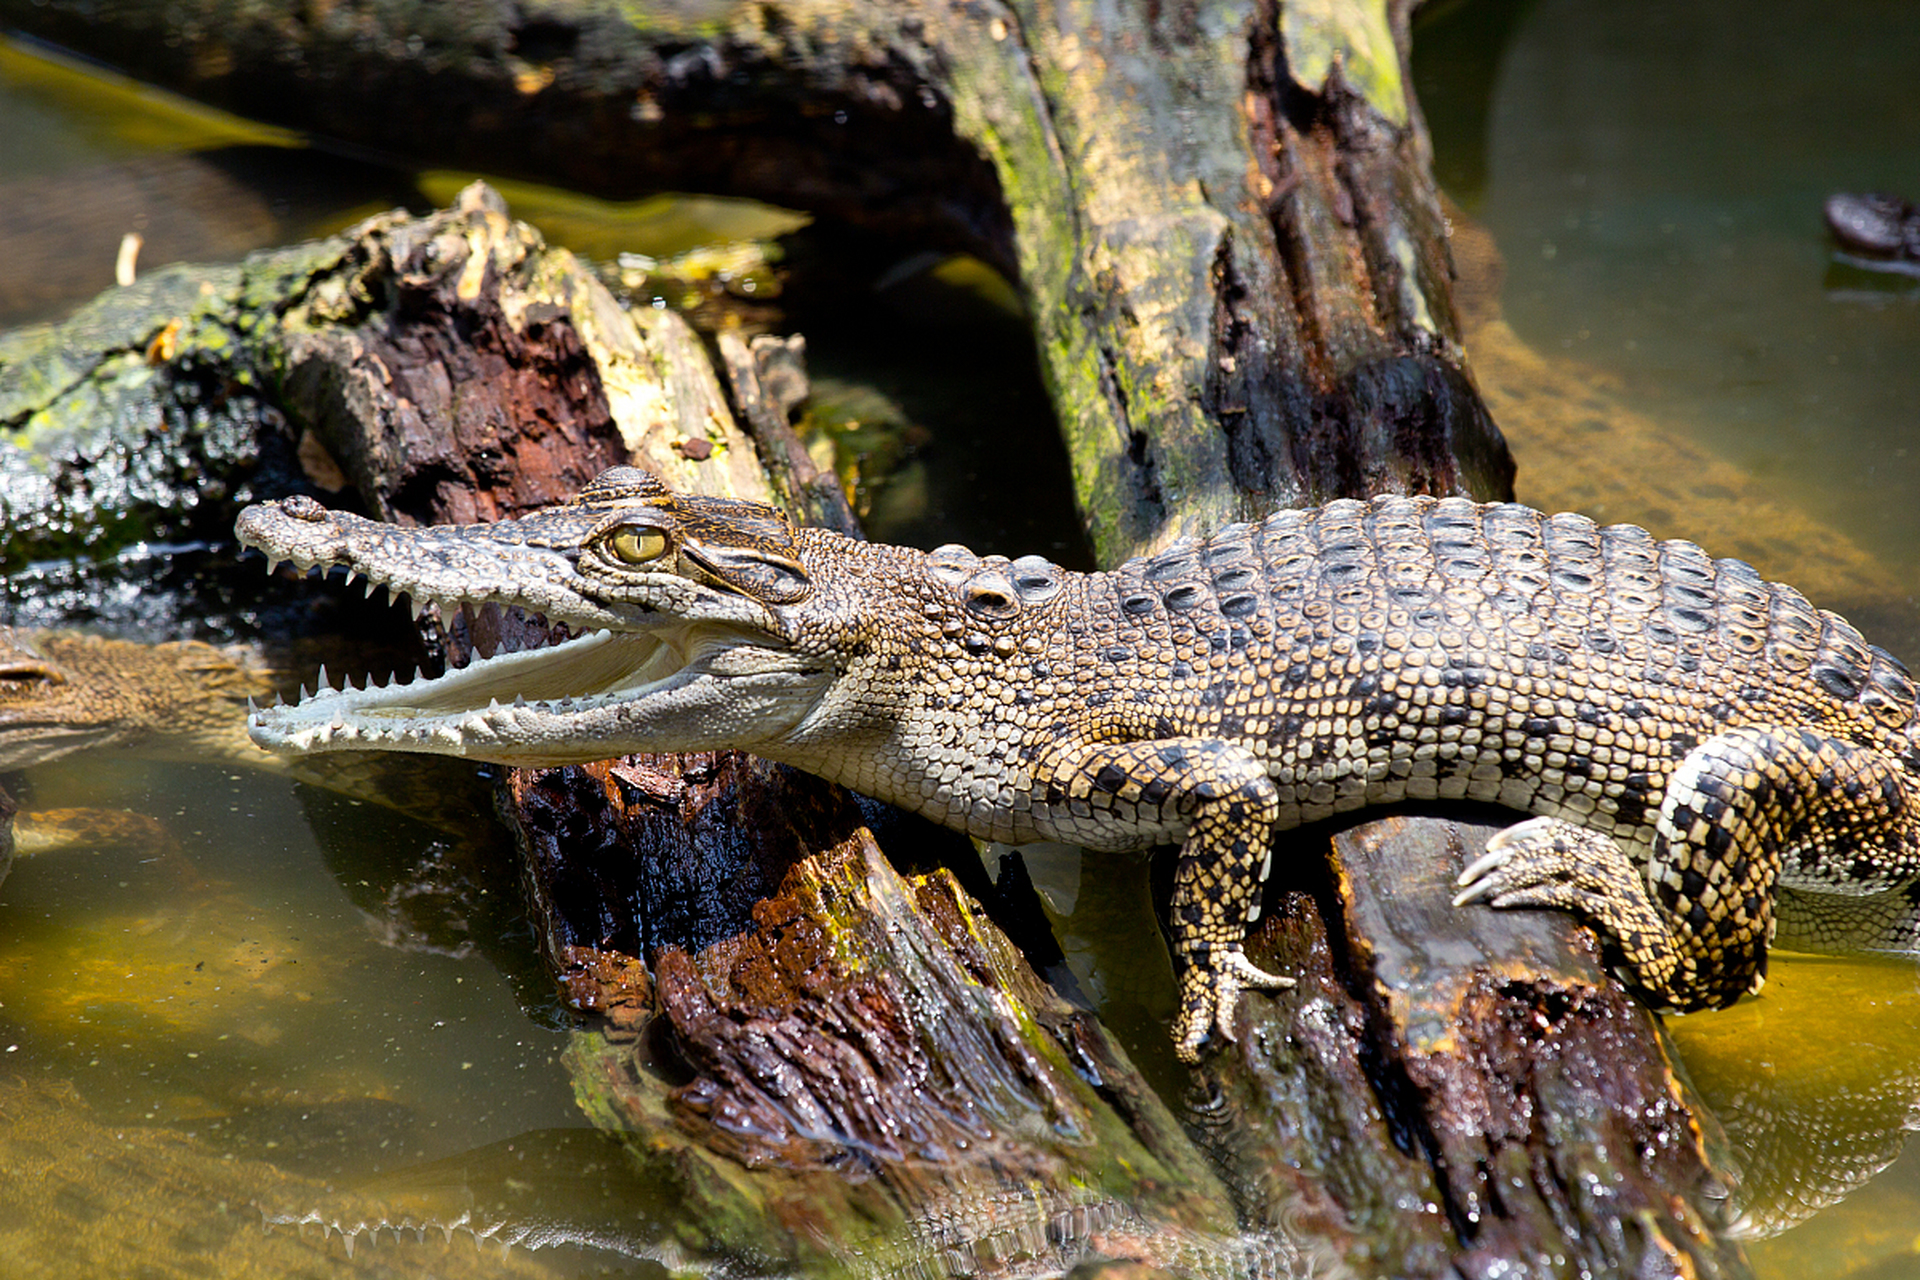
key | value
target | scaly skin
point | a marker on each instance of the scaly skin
(1701, 746)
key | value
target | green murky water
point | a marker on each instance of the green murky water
(1652, 175)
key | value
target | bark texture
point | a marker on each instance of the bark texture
(1219, 213)
(831, 1065)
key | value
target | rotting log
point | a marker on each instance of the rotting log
(1531, 1107)
(1219, 213)
(830, 1061)
(833, 1065)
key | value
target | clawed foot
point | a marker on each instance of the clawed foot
(1548, 862)
(1542, 862)
(1209, 990)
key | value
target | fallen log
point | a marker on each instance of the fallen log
(792, 1032)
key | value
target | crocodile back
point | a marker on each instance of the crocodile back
(1440, 648)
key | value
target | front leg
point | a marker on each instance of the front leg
(1217, 799)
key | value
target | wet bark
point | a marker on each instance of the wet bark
(821, 1057)
(1483, 1069)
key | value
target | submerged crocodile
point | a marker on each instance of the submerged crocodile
(1701, 747)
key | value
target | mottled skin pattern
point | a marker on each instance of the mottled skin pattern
(1702, 747)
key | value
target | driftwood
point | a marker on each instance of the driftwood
(1221, 221)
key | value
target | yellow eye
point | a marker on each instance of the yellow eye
(637, 546)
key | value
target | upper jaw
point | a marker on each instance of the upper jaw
(528, 563)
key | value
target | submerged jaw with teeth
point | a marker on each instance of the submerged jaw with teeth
(661, 661)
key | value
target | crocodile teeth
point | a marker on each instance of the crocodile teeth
(418, 606)
(321, 683)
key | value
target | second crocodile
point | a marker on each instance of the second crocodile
(1708, 754)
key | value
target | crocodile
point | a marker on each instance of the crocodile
(1705, 754)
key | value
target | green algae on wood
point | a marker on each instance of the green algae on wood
(1357, 37)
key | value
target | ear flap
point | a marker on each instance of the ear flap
(760, 573)
(743, 546)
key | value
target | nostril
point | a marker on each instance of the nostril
(303, 507)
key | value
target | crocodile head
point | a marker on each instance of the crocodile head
(690, 622)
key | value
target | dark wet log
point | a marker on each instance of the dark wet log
(867, 1044)
(1474, 1094)
(1219, 212)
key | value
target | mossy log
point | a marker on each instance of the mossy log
(1219, 213)
(826, 1059)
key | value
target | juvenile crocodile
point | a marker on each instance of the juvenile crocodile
(1701, 746)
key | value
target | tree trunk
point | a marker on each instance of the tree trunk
(1219, 212)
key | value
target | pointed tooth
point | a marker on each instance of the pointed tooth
(372, 587)
(519, 700)
(321, 682)
(419, 674)
(352, 573)
(304, 695)
(418, 606)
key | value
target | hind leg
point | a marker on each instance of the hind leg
(1746, 812)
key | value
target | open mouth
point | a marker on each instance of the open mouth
(505, 686)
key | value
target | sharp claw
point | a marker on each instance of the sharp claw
(1480, 866)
